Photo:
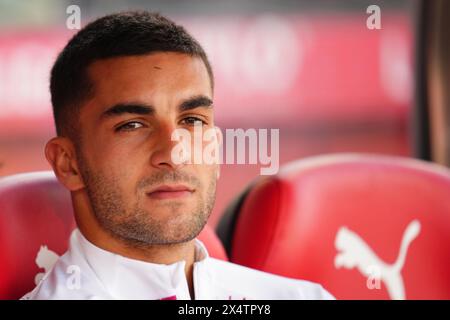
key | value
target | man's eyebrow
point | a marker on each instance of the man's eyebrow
(121, 108)
(196, 102)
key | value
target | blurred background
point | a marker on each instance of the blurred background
(310, 68)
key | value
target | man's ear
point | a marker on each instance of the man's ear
(60, 153)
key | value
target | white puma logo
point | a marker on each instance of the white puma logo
(353, 251)
(45, 259)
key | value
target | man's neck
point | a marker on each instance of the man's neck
(159, 254)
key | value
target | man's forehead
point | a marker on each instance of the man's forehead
(156, 66)
(142, 78)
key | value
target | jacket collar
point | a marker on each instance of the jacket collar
(125, 278)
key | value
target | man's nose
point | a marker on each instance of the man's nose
(162, 154)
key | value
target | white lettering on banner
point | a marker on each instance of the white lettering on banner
(24, 80)
(265, 53)
(271, 55)
(395, 66)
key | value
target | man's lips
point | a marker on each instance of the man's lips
(170, 191)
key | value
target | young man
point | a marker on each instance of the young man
(120, 88)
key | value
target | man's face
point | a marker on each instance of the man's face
(136, 191)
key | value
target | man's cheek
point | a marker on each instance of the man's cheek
(208, 174)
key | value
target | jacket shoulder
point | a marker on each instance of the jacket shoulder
(65, 281)
(257, 284)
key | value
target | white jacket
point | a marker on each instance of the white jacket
(88, 272)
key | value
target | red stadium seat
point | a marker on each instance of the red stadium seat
(364, 226)
(36, 216)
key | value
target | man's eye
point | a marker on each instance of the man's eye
(193, 121)
(129, 126)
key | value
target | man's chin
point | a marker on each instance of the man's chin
(175, 236)
(159, 234)
(177, 224)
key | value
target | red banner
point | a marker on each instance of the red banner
(269, 69)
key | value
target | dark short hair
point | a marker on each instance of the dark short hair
(120, 34)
